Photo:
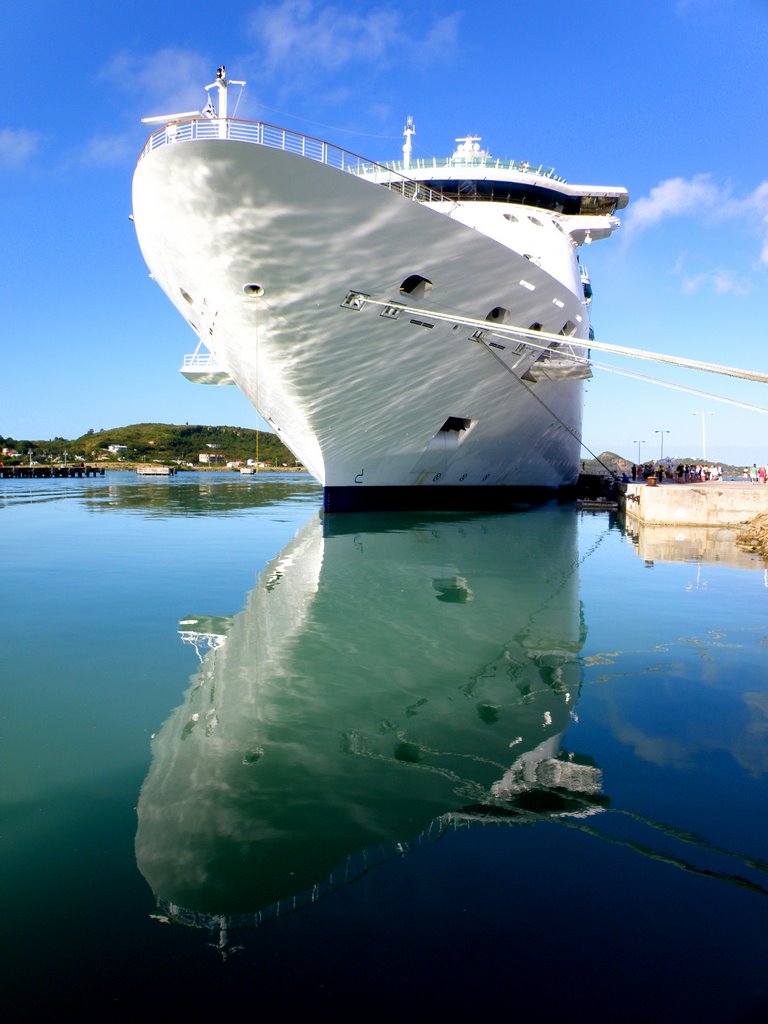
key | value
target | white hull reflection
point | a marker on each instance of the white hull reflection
(384, 681)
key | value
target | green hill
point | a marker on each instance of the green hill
(618, 464)
(164, 442)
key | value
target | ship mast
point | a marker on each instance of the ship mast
(222, 83)
(408, 131)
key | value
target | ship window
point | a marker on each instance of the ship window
(416, 285)
(186, 296)
(498, 315)
(536, 221)
(528, 285)
(457, 423)
(510, 217)
(253, 289)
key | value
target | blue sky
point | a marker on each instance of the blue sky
(665, 97)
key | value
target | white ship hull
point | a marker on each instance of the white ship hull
(258, 249)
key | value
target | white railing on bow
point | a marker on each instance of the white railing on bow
(261, 134)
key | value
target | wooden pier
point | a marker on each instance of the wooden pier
(77, 469)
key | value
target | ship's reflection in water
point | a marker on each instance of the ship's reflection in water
(388, 678)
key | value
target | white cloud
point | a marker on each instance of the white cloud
(109, 150)
(163, 82)
(306, 35)
(674, 197)
(721, 282)
(752, 210)
(709, 203)
(683, 8)
(17, 147)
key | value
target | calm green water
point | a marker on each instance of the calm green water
(376, 762)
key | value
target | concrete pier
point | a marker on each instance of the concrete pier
(713, 504)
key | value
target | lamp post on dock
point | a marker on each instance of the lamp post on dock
(638, 443)
(704, 432)
(662, 432)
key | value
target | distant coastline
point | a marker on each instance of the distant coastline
(187, 446)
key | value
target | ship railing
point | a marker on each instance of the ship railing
(200, 361)
(486, 162)
(262, 134)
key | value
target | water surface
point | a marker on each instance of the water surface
(405, 762)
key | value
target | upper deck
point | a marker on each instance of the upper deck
(465, 176)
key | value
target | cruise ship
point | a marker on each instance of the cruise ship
(417, 333)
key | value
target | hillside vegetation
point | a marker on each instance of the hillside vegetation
(617, 464)
(163, 442)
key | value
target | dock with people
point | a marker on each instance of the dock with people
(716, 502)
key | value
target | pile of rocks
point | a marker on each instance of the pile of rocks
(753, 536)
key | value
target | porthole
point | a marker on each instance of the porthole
(510, 217)
(416, 285)
(457, 423)
(536, 221)
(255, 290)
(498, 315)
(186, 296)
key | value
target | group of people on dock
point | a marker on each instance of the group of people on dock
(683, 473)
(755, 474)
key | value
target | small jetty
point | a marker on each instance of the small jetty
(78, 470)
(596, 505)
(156, 471)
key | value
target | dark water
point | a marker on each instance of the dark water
(376, 764)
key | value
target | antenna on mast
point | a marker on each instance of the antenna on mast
(222, 83)
(408, 131)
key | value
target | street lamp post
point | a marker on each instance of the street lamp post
(662, 432)
(638, 443)
(704, 432)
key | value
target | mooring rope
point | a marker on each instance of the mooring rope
(506, 330)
